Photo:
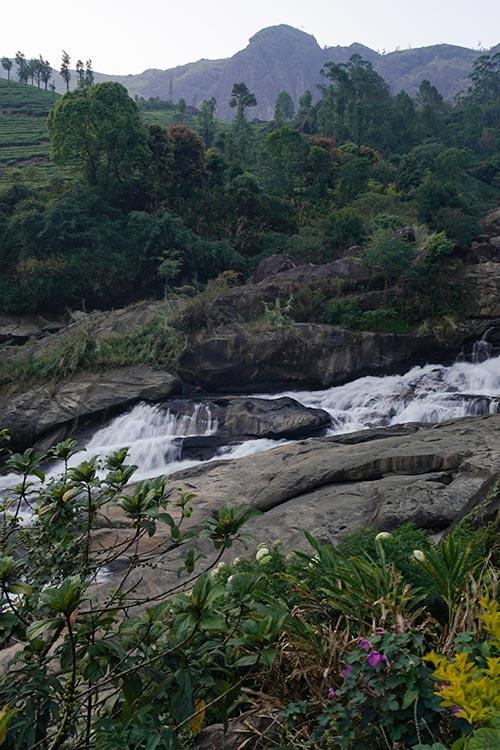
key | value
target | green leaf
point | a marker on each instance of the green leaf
(409, 697)
(487, 738)
(40, 627)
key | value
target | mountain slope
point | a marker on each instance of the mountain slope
(282, 57)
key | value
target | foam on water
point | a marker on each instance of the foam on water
(429, 394)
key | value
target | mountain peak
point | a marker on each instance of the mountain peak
(284, 33)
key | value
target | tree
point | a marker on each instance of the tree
(284, 109)
(7, 65)
(64, 70)
(241, 99)
(431, 105)
(46, 72)
(80, 74)
(99, 132)
(160, 168)
(22, 68)
(207, 121)
(89, 74)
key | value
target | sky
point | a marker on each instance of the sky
(128, 36)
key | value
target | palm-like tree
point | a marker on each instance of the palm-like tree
(7, 65)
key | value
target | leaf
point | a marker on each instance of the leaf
(40, 627)
(6, 716)
(21, 588)
(487, 738)
(246, 661)
(409, 697)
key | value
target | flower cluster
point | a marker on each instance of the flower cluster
(468, 686)
(374, 657)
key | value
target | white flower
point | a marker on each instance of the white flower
(237, 560)
(261, 553)
(221, 566)
(230, 580)
(314, 560)
(417, 554)
(383, 535)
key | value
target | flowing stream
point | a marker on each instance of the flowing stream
(429, 394)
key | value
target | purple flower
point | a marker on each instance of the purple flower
(331, 694)
(364, 644)
(346, 671)
(455, 710)
(379, 631)
(375, 658)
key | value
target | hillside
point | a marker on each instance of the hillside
(23, 131)
(282, 57)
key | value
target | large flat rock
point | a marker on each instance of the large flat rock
(330, 486)
(302, 354)
(67, 405)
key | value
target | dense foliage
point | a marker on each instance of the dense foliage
(104, 647)
(150, 208)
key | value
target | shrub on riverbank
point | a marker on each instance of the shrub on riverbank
(102, 650)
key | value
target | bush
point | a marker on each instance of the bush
(343, 228)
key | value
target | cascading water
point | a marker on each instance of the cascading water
(429, 394)
(152, 435)
(482, 349)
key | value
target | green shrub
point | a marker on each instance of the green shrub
(343, 228)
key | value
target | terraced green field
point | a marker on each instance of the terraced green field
(24, 142)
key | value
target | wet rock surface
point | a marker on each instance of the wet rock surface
(240, 418)
(301, 354)
(58, 410)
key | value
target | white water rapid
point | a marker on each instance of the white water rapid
(430, 394)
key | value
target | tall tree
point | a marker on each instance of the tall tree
(22, 68)
(7, 65)
(305, 112)
(98, 130)
(241, 99)
(284, 109)
(46, 72)
(89, 74)
(80, 74)
(431, 106)
(207, 121)
(65, 69)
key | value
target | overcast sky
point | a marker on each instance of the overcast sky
(127, 36)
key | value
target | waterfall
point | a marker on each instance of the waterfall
(153, 436)
(482, 349)
(429, 394)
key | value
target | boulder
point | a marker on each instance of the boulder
(19, 330)
(484, 282)
(332, 486)
(270, 266)
(88, 395)
(247, 303)
(239, 418)
(98, 324)
(306, 355)
(490, 224)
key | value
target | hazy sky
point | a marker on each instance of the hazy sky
(127, 36)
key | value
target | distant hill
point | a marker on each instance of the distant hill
(282, 57)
